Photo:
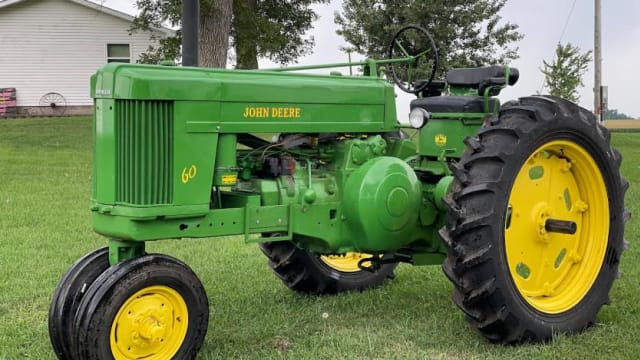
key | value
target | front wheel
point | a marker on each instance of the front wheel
(536, 221)
(66, 298)
(151, 307)
(306, 272)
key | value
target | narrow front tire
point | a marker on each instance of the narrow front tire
(67, 295)
(152, 307)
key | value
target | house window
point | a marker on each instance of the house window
(118, 53)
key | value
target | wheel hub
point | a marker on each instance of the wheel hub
(542, 213)
(151, 324)
(150, 328)
(555, 252)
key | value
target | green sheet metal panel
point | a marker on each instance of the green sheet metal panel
(445, 136)
(258, 101)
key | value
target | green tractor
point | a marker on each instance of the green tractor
(521, 203)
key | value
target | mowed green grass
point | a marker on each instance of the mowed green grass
(45, 182)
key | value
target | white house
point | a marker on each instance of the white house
(50, 48)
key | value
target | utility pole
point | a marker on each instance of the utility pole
(597, 59)
(190, 27)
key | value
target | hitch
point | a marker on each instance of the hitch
(377, 262)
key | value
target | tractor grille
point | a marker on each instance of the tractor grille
(144, 141)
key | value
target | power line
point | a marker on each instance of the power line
(564, 29)
(567, 21)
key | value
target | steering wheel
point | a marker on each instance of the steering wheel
(415, 43)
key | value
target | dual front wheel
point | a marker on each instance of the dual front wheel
(154, 307)
(150, 307)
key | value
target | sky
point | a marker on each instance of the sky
(542, 23)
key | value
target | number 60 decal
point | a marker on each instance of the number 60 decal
(188, 174)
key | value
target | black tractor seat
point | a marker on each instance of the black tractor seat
(454, 104)
(482, 77)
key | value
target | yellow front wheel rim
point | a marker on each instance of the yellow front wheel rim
(554, 271)
(347, 262)
(150, 325)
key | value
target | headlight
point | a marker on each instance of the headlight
(417, 118)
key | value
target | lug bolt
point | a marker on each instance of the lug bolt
(575, 257)
(581, 206)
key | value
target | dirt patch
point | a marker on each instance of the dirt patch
(281, 343)
(622, 124)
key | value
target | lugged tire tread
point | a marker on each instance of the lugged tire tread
(304, 272)
(476, 291)
(482, 291)
(473, 142)
(473, 259)
(460, 173)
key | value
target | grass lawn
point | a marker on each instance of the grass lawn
(45, 182)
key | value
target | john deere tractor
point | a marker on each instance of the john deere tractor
(521, 203)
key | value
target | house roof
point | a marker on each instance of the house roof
(98, 7)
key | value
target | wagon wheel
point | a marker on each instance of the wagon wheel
(53, 103)
(415, 75)
(536, 222)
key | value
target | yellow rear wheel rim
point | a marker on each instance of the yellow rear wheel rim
(552, 271)
(150, 325)
(347, 262)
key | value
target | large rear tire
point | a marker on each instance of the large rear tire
(309, 273)
(541, 170)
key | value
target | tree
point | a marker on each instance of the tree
(253, 28)
(272, 29)
(614, 114)
(563, 76)
(215, 25)
(467, 33)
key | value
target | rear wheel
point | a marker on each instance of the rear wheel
(536, 220)
(306, 272)
(152, 307)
